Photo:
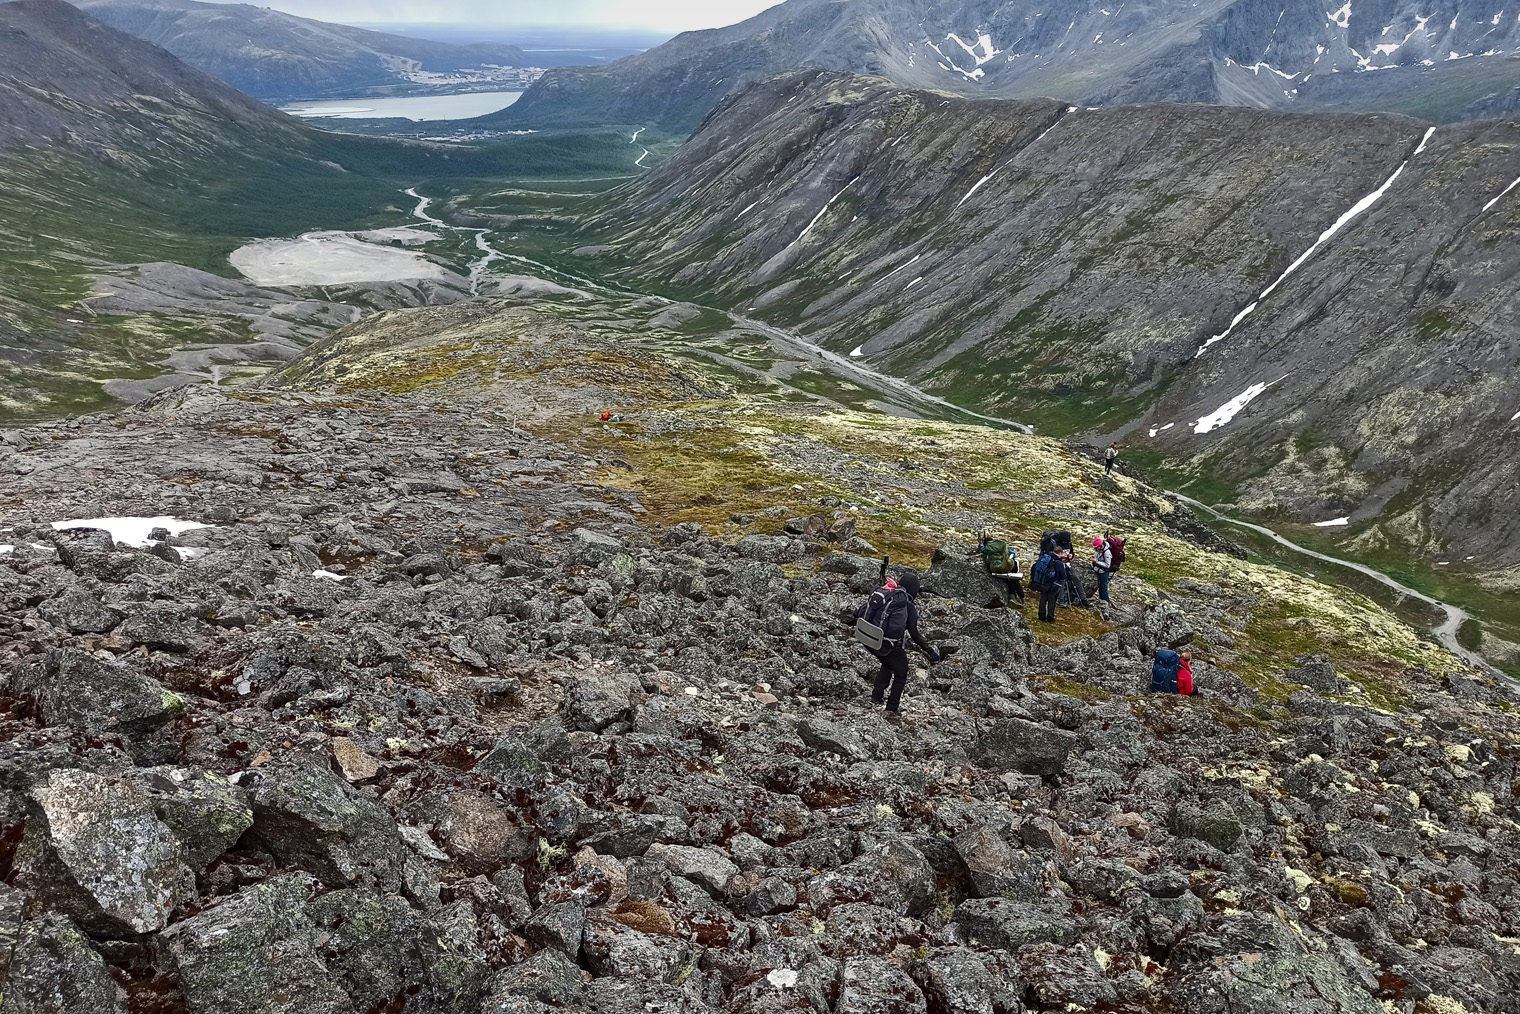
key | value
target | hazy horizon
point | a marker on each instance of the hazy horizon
(667, 16)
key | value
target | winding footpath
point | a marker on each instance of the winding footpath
(1446, 633)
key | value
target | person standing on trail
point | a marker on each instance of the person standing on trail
(1048, 578)
(893, 613)
(1109, 457)
(1103, 563)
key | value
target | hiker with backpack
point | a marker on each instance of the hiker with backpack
(1002, 562)
(1172, 673)
(1109, 457)
(884, 623)
(1048, 578)
(1103, 563)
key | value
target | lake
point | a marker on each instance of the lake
(412, 107)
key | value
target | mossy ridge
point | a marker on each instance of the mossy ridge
(701, 452)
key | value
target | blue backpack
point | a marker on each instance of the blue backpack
(1164, 672)
(1040, 577)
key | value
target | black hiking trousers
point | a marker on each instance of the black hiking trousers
(892, 680)
(1048, 596)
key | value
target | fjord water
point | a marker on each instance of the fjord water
(409, 107)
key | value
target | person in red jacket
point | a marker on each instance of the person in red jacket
(1185, 674)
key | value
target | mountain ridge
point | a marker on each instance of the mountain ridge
(1233, 52)
(277, 56)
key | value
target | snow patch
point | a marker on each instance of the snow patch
(746, 211)
(133, 532)
(188, 553)
(1230, 409)
(327, 575)
(1333, 523)
(1500, 197)
(857, 352)
(1341, 17)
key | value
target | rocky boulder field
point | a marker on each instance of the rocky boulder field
(436, 711)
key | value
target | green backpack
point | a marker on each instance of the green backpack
(999, 557)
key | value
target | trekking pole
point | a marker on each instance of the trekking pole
(884, 561)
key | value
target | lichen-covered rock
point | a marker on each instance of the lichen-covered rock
(612, 948)
(891, 874)
(255, 953)
(207, 813)
(1258, 964)
(957, 572)
(95, 848)
(999, 922)
(712, 870)
(79, 612)
(1015, 744)
(1217, 825)
(870, 985)
(997, 869)
(74, 688)
(54, 970)
(371, 945)
(957, 979)
(1316, 672)
(306, 814)
(549, 977)
(596, 699)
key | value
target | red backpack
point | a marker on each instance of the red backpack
(1116, 547)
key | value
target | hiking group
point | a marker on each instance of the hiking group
(1056, 581)
(888, 619)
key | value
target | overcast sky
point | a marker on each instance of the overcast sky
(665, 15)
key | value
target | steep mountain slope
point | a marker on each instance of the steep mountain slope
(461, 702)
(115, 153)
(1072, 269)
(275, 56)
(68, 82)
(1238, 52)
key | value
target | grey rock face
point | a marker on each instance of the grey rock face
(1018, 745)
(706, 867)
(1316, 673)
(997, 869)
(96, 845)
(892, 875)
(956, 574)
(77, 689)
(254, 953)
(79, 612)
(54, 970)
(207, 813)
(309, 815)
(597, 699)
(999, 922)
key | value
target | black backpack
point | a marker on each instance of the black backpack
(1053, 540)
(885, 619)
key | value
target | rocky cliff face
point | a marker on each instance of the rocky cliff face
(277, 56)
(1236, 52)
(459, 701)
(1080, 270)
